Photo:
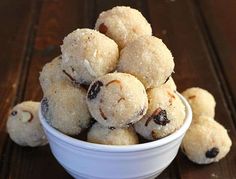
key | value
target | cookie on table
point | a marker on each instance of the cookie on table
(206, 141)
(23, 125)
(201, 101)
(117, 100)
(166, 114)
(148, 59)
(88, 54)
(65, 108)
(112, 136)
(123, 24)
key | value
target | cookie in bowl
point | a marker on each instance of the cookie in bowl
(117, 100)
(112, 136)
(165, 115)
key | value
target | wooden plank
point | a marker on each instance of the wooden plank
(53, 27)
(18, 19)
(176, 23)
(220, 27)
(57, 19)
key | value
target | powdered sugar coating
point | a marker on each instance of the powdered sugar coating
(88, 54)
(117, 99)
(123, 24)
(118, 136)
(51, 74)
(206, 141)
(148, 59)
(23, 125)
(201, 101)
(67, 109)
(162, 101)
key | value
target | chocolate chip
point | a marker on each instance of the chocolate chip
(44, 106)
(103, 28)
(156, 112)
(111, 128)
(161, 118)
(14, 113)
(94, 90)
(212, 153)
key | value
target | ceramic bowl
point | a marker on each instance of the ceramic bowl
(96, 161)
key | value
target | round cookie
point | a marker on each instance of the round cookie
(117, 100)
(201, 101)
(166, 114)
(148, 59)
(88, 54)
(23, 125)
(65, 108)
(52, 73)
(206, 141)
(112, 136)
(123, 24)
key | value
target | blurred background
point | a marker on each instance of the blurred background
(201, 35)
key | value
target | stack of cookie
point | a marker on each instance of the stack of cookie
(119, 75)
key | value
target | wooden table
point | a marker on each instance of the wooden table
(201, 35)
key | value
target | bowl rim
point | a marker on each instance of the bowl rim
(120, 148)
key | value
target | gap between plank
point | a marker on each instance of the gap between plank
(216, 62)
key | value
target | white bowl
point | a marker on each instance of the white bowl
(96, 161)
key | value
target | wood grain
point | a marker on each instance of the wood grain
(176, 23)
(219, 24)
(18, 19)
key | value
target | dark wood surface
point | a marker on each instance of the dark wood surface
(201, 35)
